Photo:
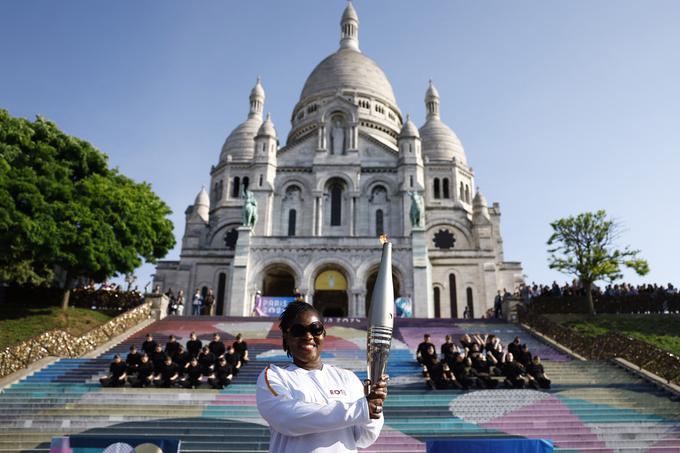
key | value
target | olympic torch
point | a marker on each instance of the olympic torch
(381, 316)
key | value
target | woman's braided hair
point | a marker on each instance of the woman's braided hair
(287, 318)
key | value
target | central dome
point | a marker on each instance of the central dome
(348, 69)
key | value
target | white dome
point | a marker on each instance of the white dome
(202, 204)
(409, 129)
(348, 69)
(240, 144)
(440, 142)
(267, 128)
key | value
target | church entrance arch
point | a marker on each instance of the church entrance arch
(330, 293)
(370, 284)
(278, 281)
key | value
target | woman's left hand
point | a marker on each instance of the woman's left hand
(376, 395)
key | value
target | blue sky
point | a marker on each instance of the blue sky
(562, 107)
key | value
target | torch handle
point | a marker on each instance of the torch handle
(379, 341)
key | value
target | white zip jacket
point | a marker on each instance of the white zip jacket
(315, 411)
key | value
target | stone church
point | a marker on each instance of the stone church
(350, 169)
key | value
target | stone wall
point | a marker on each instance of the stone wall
(62, 344)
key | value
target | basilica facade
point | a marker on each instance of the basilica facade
(351, 168)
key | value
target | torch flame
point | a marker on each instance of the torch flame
(384, 239)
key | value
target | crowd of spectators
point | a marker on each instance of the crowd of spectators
(175, 365)
(480, 361)
(612, 298)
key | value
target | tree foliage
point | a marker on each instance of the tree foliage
(62, 208)
(585, 246)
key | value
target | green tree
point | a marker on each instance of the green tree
(585, 246)
(64, 214)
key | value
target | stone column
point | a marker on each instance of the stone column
(423, 305)
(319, 216)
(352, 215)
(159, 305)
(239, 303)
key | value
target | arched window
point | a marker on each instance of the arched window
(437, 192)
(462, 192)
(236, 187)
(445, 187)
(292, 217)
(437, 303)
(470, 304)
(379, 225)
(336, 205)
(246, 183)
(452, 296)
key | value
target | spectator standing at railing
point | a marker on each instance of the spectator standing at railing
(498, 305)
(180, 302)
(196, 303)
(209, 303)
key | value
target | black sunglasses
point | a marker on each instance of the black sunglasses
(315, 328)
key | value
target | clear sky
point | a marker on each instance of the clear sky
(562, 107)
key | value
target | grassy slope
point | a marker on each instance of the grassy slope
(21, 322)
(660, 330)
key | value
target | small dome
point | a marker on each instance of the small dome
(480, 208)
(349, 13)
(241, 142)
(440, 142)
(267, 128)
(351, 70)
(431, 92)
(409, 129)
(258, 89)
(202, 204)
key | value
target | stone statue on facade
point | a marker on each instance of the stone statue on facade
(249, 212)
(337, 137)
(417, 212)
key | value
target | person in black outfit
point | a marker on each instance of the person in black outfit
(514, 372)
(132, 360)
(158, 357)
(216, 346)
(145, 373)
(462, 373)
(171, 347)
(207, 361)
(481, 367)
(193, 374)
(524, 356)
(194, 345)
(438, 376)
(515, 347)
(242, 348)
(168, 375)
(222, 376)
(466, 342)
(233, 359)
(448, 350)
(117, 373)
(182, 360)
(535, 370)
(149, 345)
(422, 348)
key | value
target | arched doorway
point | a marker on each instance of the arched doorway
(370, 284)
(278, 281)
(330, 293)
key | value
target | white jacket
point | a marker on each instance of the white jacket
(315, 411)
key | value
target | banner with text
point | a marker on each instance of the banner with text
(271, 306)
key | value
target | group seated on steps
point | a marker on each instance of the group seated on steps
(190, 366)
(481, 362)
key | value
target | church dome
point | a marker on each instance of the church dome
(409, 129)
(440, 142)
(240, 144)
(267, 128)
(348, 69)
